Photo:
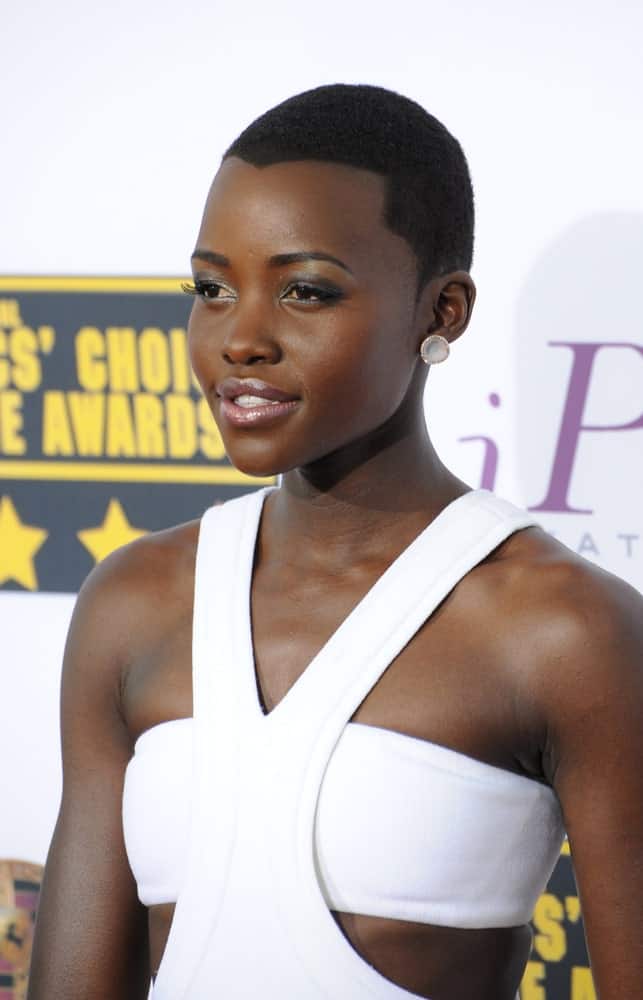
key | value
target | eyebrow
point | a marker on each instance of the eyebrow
(211, 257)
(277, 260)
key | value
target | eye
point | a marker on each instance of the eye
(302, 291)
(210, 290)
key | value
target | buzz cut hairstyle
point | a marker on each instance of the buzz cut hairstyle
(429, 199)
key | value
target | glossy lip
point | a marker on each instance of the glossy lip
(230, 388)
(279, 403)
(255, 416)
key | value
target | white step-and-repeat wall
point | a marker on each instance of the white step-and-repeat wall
(114, 119)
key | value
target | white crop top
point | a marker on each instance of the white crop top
(451, 840)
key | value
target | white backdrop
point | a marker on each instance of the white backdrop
(114, 118)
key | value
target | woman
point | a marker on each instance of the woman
(357, 745)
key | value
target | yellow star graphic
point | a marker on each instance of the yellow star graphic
(111, 534)
(18, 546)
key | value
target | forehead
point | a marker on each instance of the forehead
(300, 205)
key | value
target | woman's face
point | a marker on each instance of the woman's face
(305, 331)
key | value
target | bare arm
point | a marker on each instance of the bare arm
(91, 932)
(595, 749)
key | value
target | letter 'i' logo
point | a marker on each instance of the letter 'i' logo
(490, 458)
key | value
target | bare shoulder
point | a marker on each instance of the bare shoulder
(152, 566)
(579, 608)
(574, 632)
(131, 598)
(123, 611)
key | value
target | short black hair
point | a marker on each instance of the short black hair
(429, 198)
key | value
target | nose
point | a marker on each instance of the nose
(249, 341)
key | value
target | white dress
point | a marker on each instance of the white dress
(276, 809)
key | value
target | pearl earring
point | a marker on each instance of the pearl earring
(434, 349)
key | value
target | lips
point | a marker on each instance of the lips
(235, 388)
(250, 402)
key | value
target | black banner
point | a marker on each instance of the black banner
(104, 434)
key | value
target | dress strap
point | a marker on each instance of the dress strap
(225, 548)
(316, 710)
(374, 633)
(225, 557)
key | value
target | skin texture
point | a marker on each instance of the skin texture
(532, 664)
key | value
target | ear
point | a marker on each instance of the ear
(446, 303)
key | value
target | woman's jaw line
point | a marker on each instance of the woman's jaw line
(394, 468)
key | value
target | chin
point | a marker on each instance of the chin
(265, 466)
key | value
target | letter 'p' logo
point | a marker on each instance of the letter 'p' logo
(572, 425)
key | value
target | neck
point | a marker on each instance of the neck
(372, 497)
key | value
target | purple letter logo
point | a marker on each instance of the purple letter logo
(572, 425)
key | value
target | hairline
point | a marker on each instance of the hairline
(388, 178)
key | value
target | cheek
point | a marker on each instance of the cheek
(197, 362)
(365, 369)
(200, 348)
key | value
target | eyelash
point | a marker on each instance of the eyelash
(201, 288)
(319, 295)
